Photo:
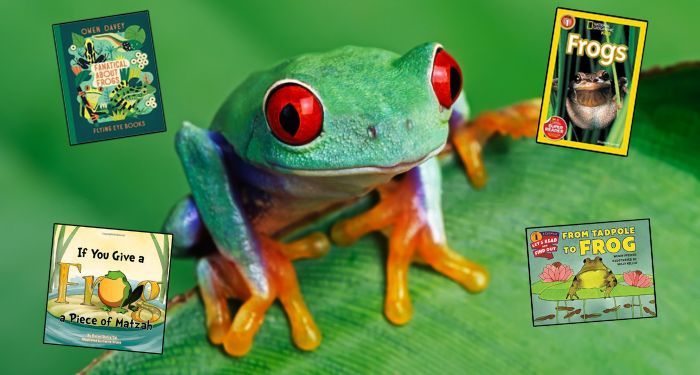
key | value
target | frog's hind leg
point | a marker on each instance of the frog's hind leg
(573, 288)
(409, 213)
(519, 120)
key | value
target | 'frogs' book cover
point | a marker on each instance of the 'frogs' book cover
(108, 77)
(591, 272)
(591, 81)
(107, 288)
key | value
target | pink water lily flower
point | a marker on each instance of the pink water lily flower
(637, 278)
(556, 272)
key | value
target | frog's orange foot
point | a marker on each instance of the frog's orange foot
(401, 217)
(220, 280)
(519, 120)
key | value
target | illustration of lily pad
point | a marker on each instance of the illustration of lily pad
(541, 286)
(557, 291)
(135, 32)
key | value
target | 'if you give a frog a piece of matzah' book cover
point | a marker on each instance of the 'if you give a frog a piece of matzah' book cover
(107, 288)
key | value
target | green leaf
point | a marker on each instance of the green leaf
(78, 40)
(135, 32)
(453, 331)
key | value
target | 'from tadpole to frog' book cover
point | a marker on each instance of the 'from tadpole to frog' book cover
(109, 77)
(591, 272)
(107, 288)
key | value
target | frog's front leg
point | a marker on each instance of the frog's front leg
(575, 286)
(468, 138)
(410, 214)
(247, 266)
(610, 283)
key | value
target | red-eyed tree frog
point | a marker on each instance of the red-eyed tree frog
(306, 136)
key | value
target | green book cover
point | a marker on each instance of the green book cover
(109, 77)
(591, 272)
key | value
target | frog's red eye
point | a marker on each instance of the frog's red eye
(294, 114)
(446, 78)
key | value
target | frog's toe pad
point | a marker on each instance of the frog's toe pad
(398, 311)
(246, 324)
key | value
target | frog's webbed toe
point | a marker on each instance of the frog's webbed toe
(220, 280)
(412, 222)
(519, 120)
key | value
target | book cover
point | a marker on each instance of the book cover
(591, 81)
(591, 272)
(107, 288)
(109, 77)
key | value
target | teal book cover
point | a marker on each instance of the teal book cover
(109, 77)
(591, 272)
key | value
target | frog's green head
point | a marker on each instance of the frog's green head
(595, 264)
(349, 111)
(115, 275)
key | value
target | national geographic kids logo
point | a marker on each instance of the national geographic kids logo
(603, 27)
(543, 244)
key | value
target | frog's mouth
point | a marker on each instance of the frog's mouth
(592, 94)
(362, 170)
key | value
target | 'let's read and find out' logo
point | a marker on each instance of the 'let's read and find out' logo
(543, 244)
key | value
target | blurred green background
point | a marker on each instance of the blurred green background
(204, 50)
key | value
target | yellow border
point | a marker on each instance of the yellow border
(622, 150)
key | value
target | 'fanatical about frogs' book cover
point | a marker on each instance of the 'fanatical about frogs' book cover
(109, 78)
(591, 272)
(591, 82)
(107, 288)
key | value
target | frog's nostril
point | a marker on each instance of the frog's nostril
(409, 124)
(372, 131)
